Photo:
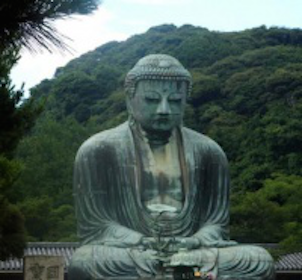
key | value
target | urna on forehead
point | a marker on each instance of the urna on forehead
(157, 67)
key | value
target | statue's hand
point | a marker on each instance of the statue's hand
(162, 244)
(204, 259)
(148, 242)
(172, 244)
(189, 243)
(218, 243)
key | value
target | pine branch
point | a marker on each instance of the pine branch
(29, 23)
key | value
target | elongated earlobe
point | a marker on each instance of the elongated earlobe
(130, 111)
(129, 106)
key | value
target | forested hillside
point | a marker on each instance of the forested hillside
(247, 96)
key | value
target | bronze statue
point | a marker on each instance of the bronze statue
(151, 193)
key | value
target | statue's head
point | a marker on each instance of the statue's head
(157, 88)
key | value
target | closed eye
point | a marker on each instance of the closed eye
(152, 98)
(175, 99)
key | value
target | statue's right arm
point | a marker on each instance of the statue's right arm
(97, 200)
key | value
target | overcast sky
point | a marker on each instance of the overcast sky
(120, 19)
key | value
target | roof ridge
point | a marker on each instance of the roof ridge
(52, 244)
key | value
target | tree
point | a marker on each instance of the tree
(29, 22)
(275, 209)
(23, 23)
(15, 121)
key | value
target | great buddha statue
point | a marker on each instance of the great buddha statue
(151, 193)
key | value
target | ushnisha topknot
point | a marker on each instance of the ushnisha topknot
(156, 67)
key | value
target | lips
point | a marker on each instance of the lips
(166, 118)
(163, 118)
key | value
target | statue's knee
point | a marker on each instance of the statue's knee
(76, 272)
(78, 266)
(258, 253)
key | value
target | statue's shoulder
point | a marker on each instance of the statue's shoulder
(201, 141)
(106, 139)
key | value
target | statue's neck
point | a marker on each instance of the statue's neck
(154, 138)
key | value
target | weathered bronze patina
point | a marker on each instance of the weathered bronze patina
(151, 193)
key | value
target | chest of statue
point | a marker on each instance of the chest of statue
(161, 176)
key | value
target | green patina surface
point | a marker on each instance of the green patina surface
(152, 195)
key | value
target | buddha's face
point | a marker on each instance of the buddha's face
(158, 105)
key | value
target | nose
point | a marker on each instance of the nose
(163, 107)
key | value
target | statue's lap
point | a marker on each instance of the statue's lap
(238, 262)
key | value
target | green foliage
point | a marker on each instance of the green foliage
(272, 213)
(12, 239)
(206, 88)
(46, 221)
(43, 191)
(51, 148)
(15, 121)
(29, 25)
(246, 95)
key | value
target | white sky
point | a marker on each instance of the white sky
(120, 19)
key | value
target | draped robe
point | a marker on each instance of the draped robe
(112, 219)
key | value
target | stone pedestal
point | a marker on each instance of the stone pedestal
(43, 268)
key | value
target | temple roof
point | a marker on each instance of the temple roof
(286, 263)
(65, 249)
(290, 262)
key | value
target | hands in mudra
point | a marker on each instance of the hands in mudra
(170, 244)
(177, 243)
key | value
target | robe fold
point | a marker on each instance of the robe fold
(108, 206)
